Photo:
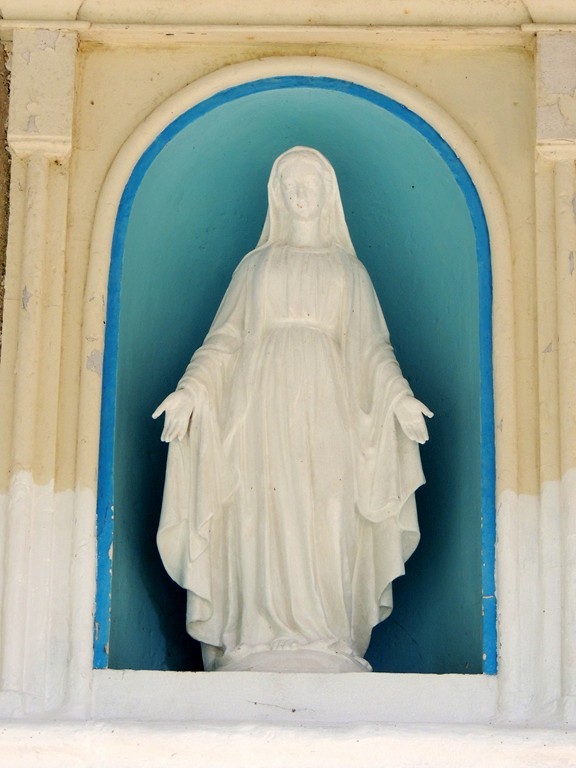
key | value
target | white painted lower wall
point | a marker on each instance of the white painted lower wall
(103, 744)
(57, 711)
(48, 572)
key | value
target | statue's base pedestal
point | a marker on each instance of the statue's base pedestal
(296, 661)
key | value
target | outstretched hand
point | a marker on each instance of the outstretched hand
(178, 408)
(410, 414)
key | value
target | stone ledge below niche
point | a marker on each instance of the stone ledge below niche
(293, 698)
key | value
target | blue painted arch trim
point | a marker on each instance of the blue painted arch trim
(105, 509)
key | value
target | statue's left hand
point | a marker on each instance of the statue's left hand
(410, 414)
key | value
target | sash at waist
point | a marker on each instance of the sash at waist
(304, 324)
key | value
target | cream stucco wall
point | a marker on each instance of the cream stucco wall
(86, 87)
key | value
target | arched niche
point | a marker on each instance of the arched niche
(191, 188)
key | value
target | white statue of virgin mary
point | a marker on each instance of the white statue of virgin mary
(289, 498)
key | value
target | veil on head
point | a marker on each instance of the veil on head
(333, 222)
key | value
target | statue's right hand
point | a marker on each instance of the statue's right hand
(177, 408)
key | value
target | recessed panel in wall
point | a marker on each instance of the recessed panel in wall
(193, 207)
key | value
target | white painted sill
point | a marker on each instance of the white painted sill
(296, 698)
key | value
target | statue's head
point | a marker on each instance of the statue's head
(303, 185)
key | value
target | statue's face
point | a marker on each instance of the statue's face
(303, 189)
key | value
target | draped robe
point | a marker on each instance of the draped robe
(289, 504)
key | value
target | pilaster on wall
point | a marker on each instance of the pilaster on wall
(556, 278)
(34, 581)
(4, 176)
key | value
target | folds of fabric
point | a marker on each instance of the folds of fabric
(289, 505)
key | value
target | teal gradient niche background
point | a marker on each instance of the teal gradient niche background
(194, 206)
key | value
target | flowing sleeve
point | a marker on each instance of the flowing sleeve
(199, 479)
(388, 464)
(209, 368)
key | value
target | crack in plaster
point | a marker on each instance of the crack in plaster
(524, 5)
(567, 107)
(280, 706)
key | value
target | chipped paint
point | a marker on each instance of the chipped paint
(94, 361)
(31, 126)
(41, 113)
(556, 111)
(47, 39)
(26, 295)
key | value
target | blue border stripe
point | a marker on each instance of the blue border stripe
(105, 510)
(105, 506)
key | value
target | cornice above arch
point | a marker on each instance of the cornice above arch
(489, 12)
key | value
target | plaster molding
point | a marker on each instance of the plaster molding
(551, 11)
(556, 295)
(34, 630)
(40, 139)
(274, 34)
(556, 88)
(179, 13)
(257, 33)
(565, 234)
(40, 9)
(556, 150)
(419, 12)
(32, 258)
(42, 92)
